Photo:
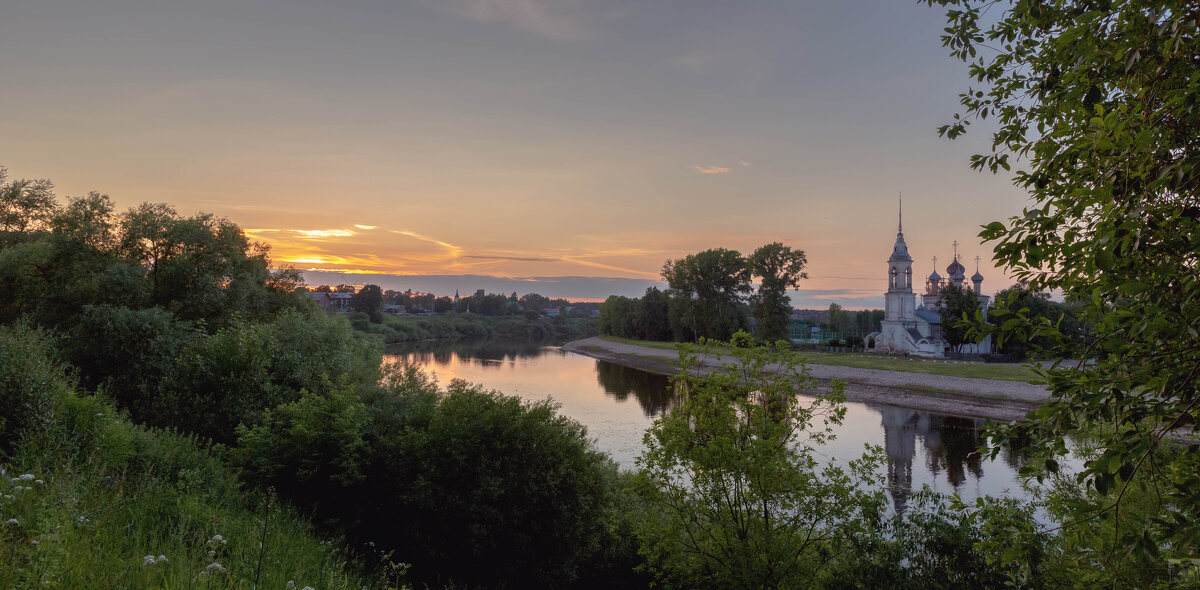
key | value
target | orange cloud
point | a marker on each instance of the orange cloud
(371, 249)
(711, 170)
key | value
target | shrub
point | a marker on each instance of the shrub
(482, 488)
(32, 384)
(311, 448)
(741, 339)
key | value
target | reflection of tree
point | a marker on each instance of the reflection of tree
(488, 352)
(653, 391)
(950, 444)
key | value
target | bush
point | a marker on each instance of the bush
(32, 384)
(127, 352)
(481, 488)
(741, 339)
(736, 495)
(311, 448)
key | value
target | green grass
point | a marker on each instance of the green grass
(642, 343)
(101, 519)
(970, 370)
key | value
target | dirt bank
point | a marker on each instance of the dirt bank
(983, 398)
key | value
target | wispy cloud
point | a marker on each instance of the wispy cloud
(514, 258)
(453, 250)
(561, 20)
(711, 169)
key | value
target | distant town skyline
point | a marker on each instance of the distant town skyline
(569, 145)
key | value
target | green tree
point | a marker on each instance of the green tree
(957, 308)
(369, 300)
(707, 289)
(1101, 99)
(778, 268)
(618, 315)
(25, 204)
(654, 319)
(1038, 308)
(734, 495)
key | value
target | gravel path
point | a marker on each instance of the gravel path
(986, 398)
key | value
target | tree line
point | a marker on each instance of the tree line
(371, 299)
(710, 296)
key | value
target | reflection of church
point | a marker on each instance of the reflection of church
(949, 444)
(908, 329)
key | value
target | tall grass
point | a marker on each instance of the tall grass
(89, 500)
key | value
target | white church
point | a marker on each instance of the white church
(912, 330)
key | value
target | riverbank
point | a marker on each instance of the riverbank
(982, 398)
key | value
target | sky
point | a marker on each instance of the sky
(563, 147)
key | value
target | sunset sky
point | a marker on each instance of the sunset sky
(564, 147)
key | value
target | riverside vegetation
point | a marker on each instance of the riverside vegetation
(157, 382)
(176, 414)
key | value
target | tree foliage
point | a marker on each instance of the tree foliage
(778, 268)
(1038, 308)
(1101, 101)
(25, 204)
(707, 290)
(732, 473)
(957, 307)
(369, 300)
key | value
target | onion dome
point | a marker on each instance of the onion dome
(956, 269)
(934, 277)
(976, 278)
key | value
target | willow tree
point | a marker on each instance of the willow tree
(1097, 103)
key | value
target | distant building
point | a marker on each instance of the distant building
(908, 329)
(332, 301)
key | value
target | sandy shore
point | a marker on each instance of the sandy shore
(982, 398)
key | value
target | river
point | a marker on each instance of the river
(617, 404)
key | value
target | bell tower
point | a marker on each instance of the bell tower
(900, 300)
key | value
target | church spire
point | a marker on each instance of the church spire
(900, 224)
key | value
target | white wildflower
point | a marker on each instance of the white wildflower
(212, 568)
(13, 521)
(27, 477)
(34, 543)
(307, 588)
(39, 482)
(212, 554)
(291, 585)
(161, 559)
(148, 560)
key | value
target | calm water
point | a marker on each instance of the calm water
(618, 404)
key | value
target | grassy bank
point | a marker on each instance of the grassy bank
(969, 370)
(90, 500)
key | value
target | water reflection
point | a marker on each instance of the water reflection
(493, 353)
(617, 404)
(651, 390)
(949, 443)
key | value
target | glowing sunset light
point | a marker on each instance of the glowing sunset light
(572, 151)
